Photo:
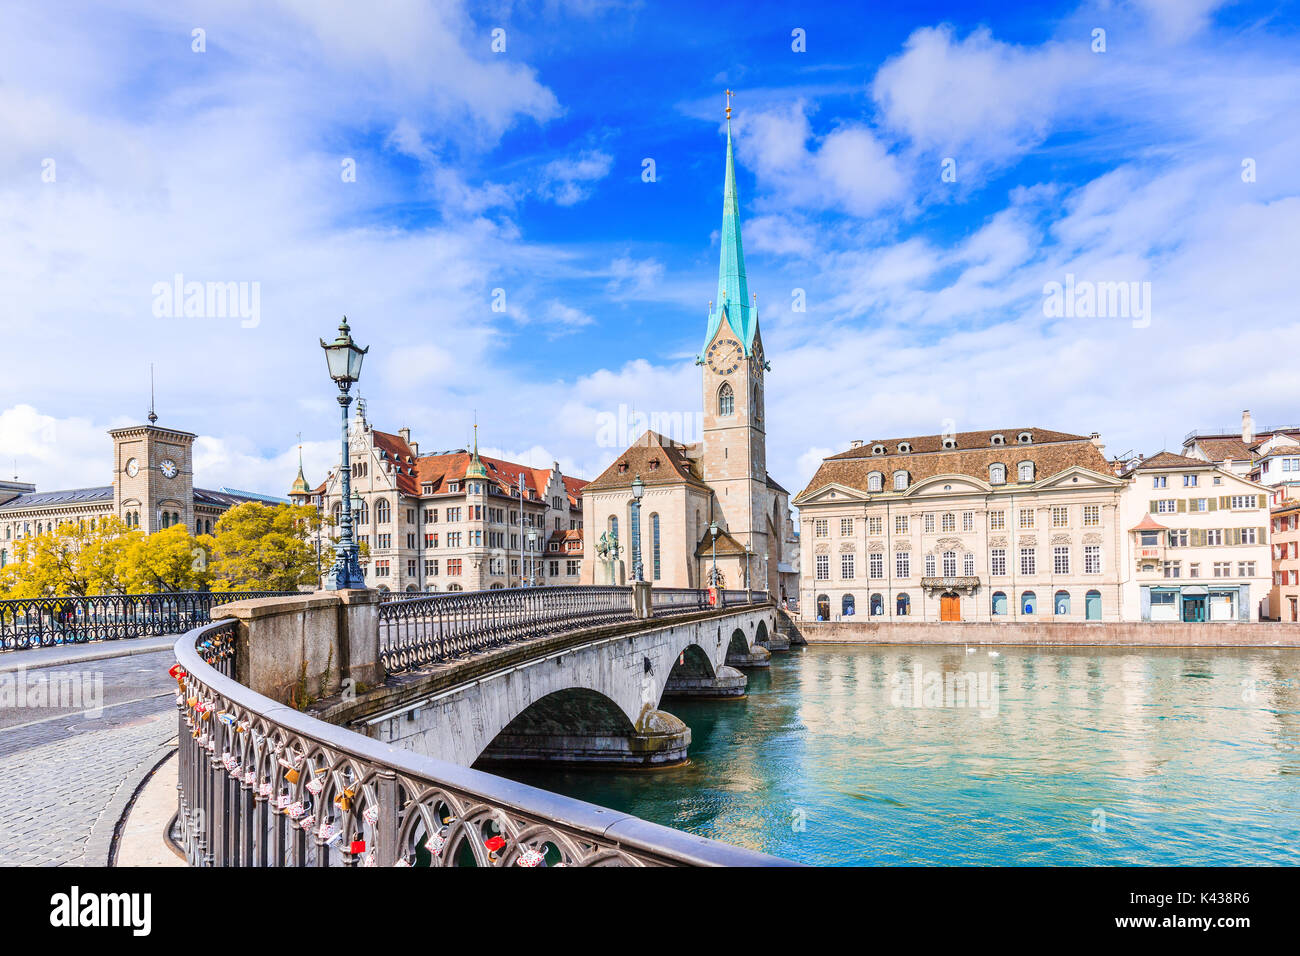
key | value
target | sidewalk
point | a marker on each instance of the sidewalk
(61, 654)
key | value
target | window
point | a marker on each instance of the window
(900, 524)
(823, 567)
(876, 564)
(1092, 516)
(1243, 501)
(1178, 538)
(1189, 481)
(875, 481)
(1248, 536)
(929, 524)
(903, 564)
(903, 606)
(1060, 516)
(1157, 481)
(847, 606)
(1223, 569)
(949, 521)
(875, 525)
(1165, 506)
(950, 564)
(1092, 559)
(1194, 569)
(997, 474)
(821, 527)
(1061, 559)
(1028, 602)
(1213, 537)
(968, 565)
(430, 515)
(1245, 569)
(1026, 517)
(1173, 569)
(1062, 602)
(968, 521)
(997, 520)
(453, 566)
(383, 541)
(900, 481)
(1026, 471)
(999, 602)
(1198, 504)
(998, 562)
(847, 566)
(1028, 561)
(431, 567)
(929, 565)
(654, 537)
(846, 527)
(726, 400)
(1162, 597)
(571, 566)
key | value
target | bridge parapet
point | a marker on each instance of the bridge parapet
(262, 784)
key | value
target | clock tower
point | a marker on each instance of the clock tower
(153, 476)
(735, 443)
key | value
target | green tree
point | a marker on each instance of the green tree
(262, 547)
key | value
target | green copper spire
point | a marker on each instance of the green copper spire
(476, 469)
(733, 291)
(300, 486)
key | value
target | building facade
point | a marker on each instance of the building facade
(152, 488)
(1197, 543)
(1011, 524)
(451, 521)
(720, 482)
(1284, 534)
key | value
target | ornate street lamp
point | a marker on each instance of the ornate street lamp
(638, 489)
(532, 562)
(713, 531)
(344, 357)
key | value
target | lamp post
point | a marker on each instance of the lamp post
(344, 357)
(532, 562)
(638, 489)
(713, 531)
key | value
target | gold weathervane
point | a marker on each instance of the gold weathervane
(729, 96)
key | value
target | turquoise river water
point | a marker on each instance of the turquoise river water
(1091, 756)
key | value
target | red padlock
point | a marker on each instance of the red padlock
(176, 671)
(357, 847)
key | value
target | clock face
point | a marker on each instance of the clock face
(132, 467)
(168, 468)
(724, 356)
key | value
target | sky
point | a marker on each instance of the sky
(517, 206)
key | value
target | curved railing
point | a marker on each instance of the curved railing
(264, 785)
(49, 621)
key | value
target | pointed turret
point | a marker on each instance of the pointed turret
(300, 486)
(733, 290)
(476, 468)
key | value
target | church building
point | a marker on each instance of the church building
(721, 481)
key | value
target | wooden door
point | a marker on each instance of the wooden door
(950, 607)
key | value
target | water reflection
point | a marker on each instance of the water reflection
(1093, 756)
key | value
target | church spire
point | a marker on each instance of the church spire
(733, 290)
(476, 468)
(300, 486)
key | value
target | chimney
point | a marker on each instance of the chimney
(1095, 438)
(405, 434)
(1247, 428)
(415, 448)
(856, 443)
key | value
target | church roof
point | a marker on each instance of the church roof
(726, 544)
(658, 460)
(733, 300)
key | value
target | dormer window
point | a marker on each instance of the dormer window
(426, 488)
(622, 467)
(950, 443)
(654, 465)
(1024, 438)
(998, 440)
(877, 449)
(904, 447)
(875, 481)
(997, 474)
(1026, 471)
(900, 481)
(454, 486)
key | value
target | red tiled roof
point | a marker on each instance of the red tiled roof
(1221, 449)
(658, 460)
(921, 444)
(1148, 523)
(1167, 459)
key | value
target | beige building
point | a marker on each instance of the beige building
(455, 520)
(1284, 515)
(152, 488)
(1196, 547)
(1010, 524)
(721, 480)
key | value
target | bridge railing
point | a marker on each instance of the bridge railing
(50, 621)
(264, 785)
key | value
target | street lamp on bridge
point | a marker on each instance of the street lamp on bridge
(638, 489)
(343, 358)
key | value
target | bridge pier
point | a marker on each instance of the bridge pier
(755, 656)
(777, 642)
(658, 739)
(726, 683)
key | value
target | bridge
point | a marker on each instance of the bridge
(353, 729)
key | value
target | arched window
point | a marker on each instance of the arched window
(383, 511)
(900, 481)
(847, 605)
(950, 564)
(1092, 606)
(1029, 603)
(613, 526)
(903, 605)
(875, 481)
(362, 516)
(823, 607)
(654, 538)
(999, 602)
(166, 519)
(1026, 471)
(338, 511)
(1062, 602)
(997, 474)
(454, 587)
(877, 605)
(726, 400)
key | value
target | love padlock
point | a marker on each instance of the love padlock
(344, 799)
(370, 814)
(177, 671)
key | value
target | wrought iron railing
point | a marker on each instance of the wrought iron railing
(264, 785)
(45, 622)
(678, 599)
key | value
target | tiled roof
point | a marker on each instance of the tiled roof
(1148, 523)
(771, 483)
(1049, 459)
(73, 496)
(726, 545)
(1167, 459)
(658, 460)
(924, 444)
(1221, 449)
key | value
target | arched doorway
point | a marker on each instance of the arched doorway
(823, 608)
(847, 606)
(950, 606)
(1092, 606)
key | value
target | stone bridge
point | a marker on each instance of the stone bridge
(596, 700)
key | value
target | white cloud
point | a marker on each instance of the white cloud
(569, 181)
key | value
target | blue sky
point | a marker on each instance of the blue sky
(522, 170)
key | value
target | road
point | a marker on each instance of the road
(75, 740)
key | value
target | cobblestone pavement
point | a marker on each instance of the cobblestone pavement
(66, 771)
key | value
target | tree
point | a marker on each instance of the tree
(262, 547)
(167, 560)
(71, 559)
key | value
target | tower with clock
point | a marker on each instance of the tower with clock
(153, 476)
(734, 459)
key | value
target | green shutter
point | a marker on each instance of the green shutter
(1234, 536)
(1263, 501)
(1182, 505)
(1212, 504)
(1225, 502)
(1151, 508)
(1262, 536)
(1198, 537)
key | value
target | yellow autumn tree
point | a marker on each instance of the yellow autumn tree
(259, 547)
(70, 560)
(167, 560)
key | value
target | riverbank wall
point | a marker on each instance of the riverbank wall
(1099, 633)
